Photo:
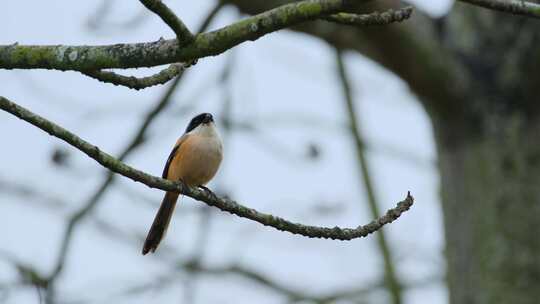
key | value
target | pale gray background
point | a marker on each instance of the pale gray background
(286, 83)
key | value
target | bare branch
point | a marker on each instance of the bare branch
(207, 197)
(391, 281)
(133, 82)
(516, 7)
(99, 20)
(252, 275)
(30, 194)
(135, 142)
(297, 295)
(183, 35)
(440, 82)
(376, 18)
(161, 77)
(96, 197)
(85, 58)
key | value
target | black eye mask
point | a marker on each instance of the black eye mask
(199, 119)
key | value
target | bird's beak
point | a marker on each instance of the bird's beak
(208, 119)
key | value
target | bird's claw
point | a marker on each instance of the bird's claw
(208, 191)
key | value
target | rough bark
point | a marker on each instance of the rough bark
(490, 167)
(491, 204)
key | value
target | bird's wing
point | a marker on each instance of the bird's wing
(172, 155)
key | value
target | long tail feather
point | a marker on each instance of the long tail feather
(161, 222)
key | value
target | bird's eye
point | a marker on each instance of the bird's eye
(208, 117)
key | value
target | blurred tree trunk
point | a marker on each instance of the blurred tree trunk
(477, 73)
(490, 162)
(491, 204)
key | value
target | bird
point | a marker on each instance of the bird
(194, 160)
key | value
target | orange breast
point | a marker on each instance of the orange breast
(196, 161)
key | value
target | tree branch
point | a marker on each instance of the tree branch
(85, 58)
(296, 295)
(252, 275)
(207, 197)
(516, 7)
(440, 82)
(99, 193)
(183, 35)
(391, 281)
(376, 18)
(161, 77)
(133, 82)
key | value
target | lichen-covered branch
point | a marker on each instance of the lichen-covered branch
(162, 76)
(95, 198)
(516, 7)
(207, 197)
(85, 58)
(183, 34)
(136, 83)
(376, 18)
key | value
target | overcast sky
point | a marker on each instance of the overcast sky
(284, 84)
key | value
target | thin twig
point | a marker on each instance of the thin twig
(392, 283)
(201, 246)
(203, 195)
(133, 82)
(516, 7)
(203, 233)
(183, 34)
(249, 274)
(98, 21)
(375, 18)
(295, 295)
(90, 204)
(30, 194)
(96, 197)
(184, 37)
(161, 77)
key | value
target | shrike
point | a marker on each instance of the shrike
(194, 160)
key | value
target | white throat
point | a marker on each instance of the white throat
(206, 130)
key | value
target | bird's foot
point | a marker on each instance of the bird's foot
(209, 192)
